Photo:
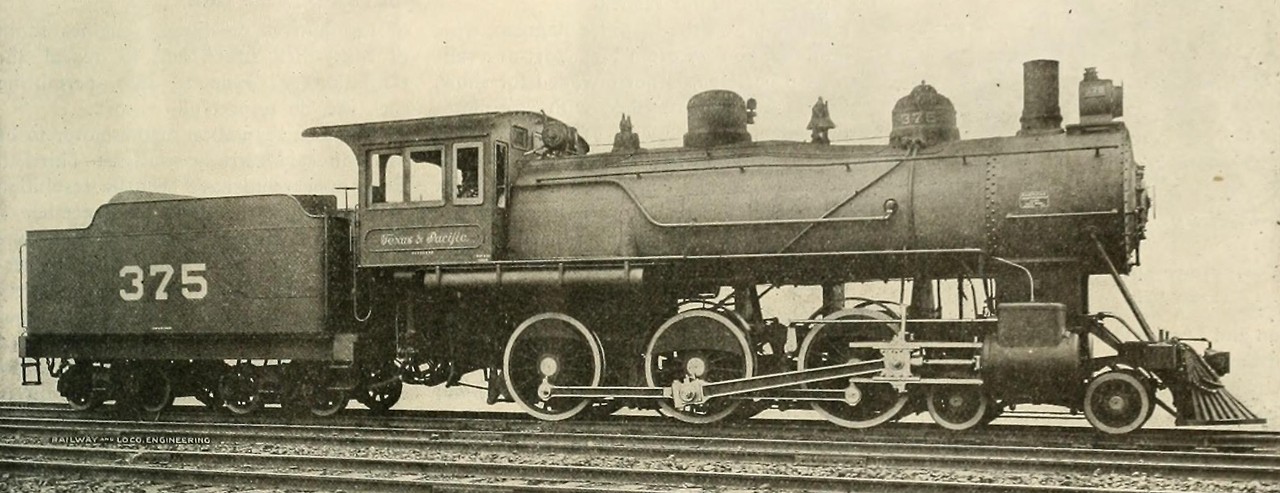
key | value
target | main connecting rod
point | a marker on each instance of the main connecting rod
(698, 391)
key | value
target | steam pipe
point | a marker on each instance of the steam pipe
(1031, 281)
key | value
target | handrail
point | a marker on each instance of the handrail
(831, 163)
(22, 286)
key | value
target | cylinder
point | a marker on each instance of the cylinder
(1040, 110)
(1031, 352)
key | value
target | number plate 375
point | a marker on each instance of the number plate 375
(158, 278)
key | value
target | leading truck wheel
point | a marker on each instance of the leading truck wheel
(553, 348)
(1118, 402)
(958, 407)
(828, 345)
(701, 345)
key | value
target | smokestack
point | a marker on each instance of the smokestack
(1040, 111)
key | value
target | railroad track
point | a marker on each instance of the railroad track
(307, 472)
(1057, 436)
(1200, 464)
(777, 443)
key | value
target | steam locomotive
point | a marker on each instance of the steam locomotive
(581, 283)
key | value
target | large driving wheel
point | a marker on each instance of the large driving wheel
(1118, 402)
(704, 345)
(828, 345)
(555, 348)
(958, 407)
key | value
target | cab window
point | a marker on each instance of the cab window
(387, 183)
(520, 137)
(467, 174)
(420, 181)
(426, 173)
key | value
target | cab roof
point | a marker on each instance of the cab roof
(431, 128)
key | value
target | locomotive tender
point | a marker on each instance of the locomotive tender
(582, 283)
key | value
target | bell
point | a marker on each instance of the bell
(820, 123)
(821, 119)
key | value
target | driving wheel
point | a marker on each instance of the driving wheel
(557, 349)
(868, 404)
(703, 345)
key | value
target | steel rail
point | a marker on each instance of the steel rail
(488, 470)
(239, 479)
(795, 429)
(805, 452)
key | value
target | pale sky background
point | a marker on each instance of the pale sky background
(195, 99)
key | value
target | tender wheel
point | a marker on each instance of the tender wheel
(699, 344)
(207, 376)
(76, 385)
(155, 391)
(555, 348)
(381, 387)
(207, 394)
(239, 389)
(827, 345)
(308, 388)
(323, 401)
(958, 407)
(1118, 402)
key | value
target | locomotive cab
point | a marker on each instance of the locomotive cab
(434, 190)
